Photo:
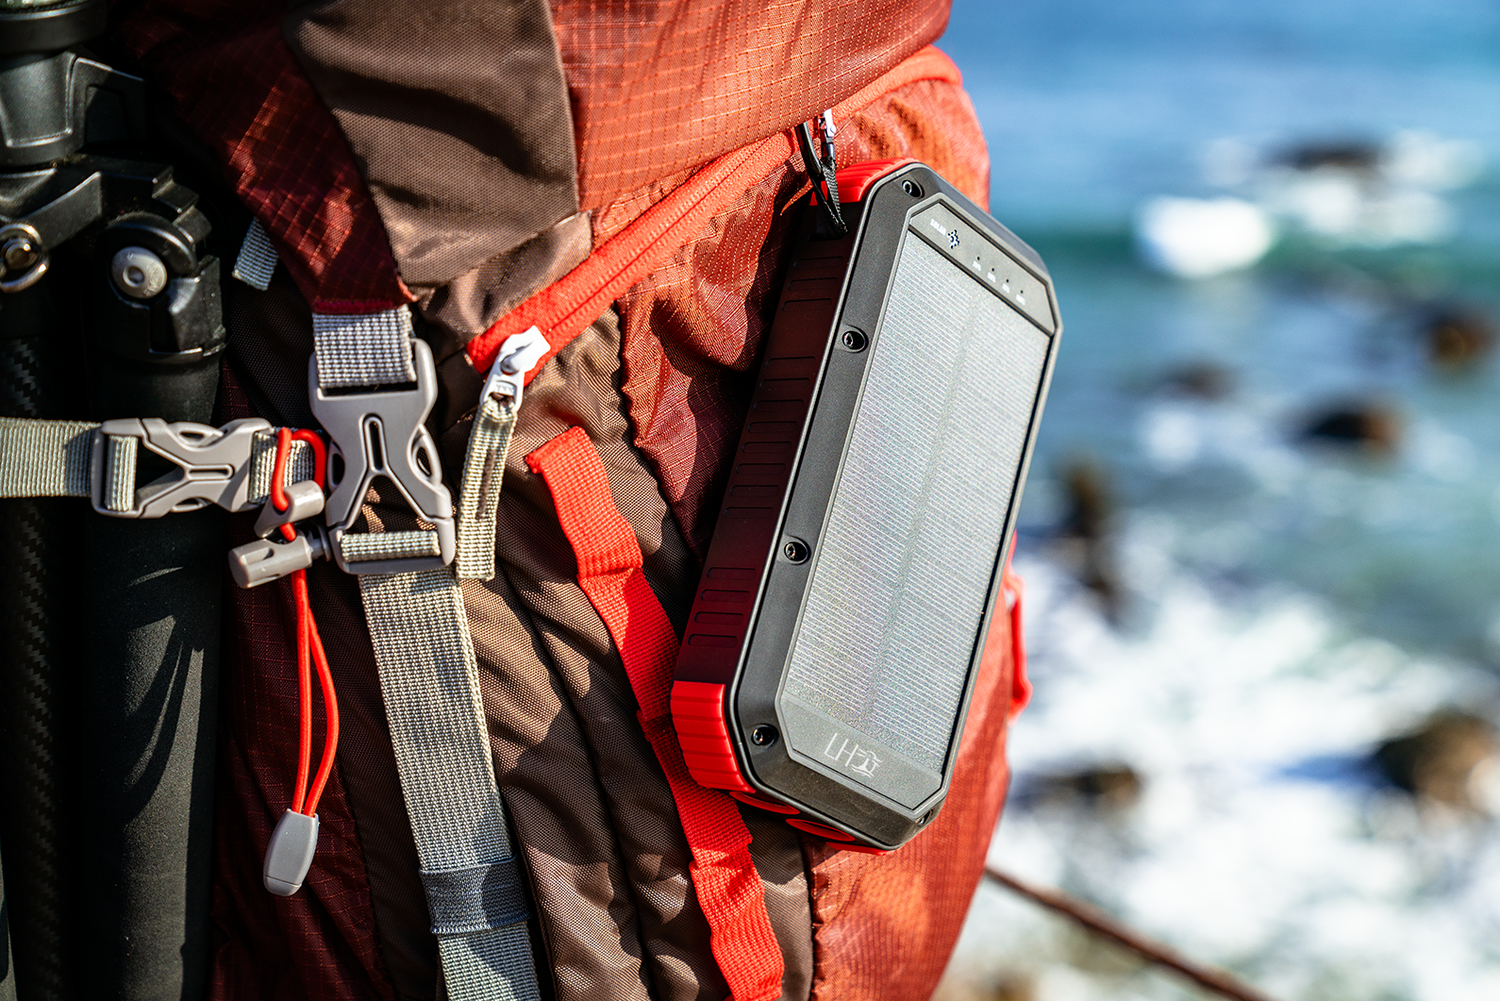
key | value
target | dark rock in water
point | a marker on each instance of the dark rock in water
(1089, 502)
(1201, 380)
(1351, 155)
(1457, 338)
(1109, 786)
(1434, 761)
(1087, 525)
(1372, 427)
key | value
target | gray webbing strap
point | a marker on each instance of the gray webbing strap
(372, 349)
(256, 263)
(429, 680)
(51, 459)
(45, 458)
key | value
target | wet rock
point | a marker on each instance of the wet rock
(1200, 380)
(1457, 338)
(1355, 156)
(1436, 761)
(1086, 526)
(1369, 426)
(1112, 786)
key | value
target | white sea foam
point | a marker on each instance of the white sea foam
(1257, 842)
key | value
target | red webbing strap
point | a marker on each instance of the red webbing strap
(609, 571)
(564, 309)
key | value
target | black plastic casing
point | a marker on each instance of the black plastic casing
(792, 452)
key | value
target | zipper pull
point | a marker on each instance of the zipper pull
(489, 443)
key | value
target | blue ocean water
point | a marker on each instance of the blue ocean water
(1282, 604)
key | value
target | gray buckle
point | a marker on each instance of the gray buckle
(213, 466)
(381, 434)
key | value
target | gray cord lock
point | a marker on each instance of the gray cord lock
(290, 853)
(256, 563)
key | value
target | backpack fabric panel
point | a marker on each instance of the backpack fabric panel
(230, 76)
(536, 562)
(663, 87)
(693, 328)
(458, 116)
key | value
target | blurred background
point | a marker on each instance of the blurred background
(1261, 527)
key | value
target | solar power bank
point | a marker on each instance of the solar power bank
(831, 649)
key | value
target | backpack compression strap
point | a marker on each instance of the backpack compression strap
(429, 681)
(609, 572)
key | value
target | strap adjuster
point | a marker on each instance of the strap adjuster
(213, 466)
(382, 434)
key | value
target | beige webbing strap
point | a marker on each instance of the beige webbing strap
(429, 681)
(256, 263)
(45, 458)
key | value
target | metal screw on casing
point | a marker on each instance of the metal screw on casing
(20, 253)
(764, 735)
(912, 188)
(795, 551)
(138, 273)
(854, 340)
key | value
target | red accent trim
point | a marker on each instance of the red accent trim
(820, 830)
(1020, 685)
(763, 804)
(862, 849)
(566, 307)
(698, 715)
(855, 180)
(609, 572)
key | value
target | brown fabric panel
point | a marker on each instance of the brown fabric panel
(885, 926)
(693, 328)
(662, 85)
(466, 307)
(552, 792)
(458, 115)
(579, 387)
(270, 342)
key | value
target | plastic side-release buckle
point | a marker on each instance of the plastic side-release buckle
(213, 466)
(381, 434)
(290, 853)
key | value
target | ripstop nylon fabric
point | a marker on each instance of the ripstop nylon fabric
(609, 572)
(563, 309)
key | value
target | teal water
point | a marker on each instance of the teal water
(1089, 108)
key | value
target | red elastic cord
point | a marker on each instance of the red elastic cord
(309, 643)
(609, 571)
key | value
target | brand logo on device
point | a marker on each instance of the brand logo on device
(950, 235)
(851, 755)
